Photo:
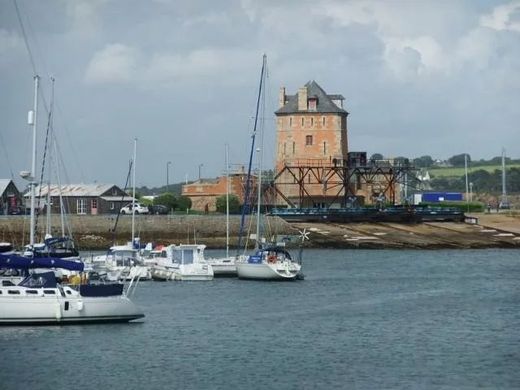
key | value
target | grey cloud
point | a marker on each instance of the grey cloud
(418, 77)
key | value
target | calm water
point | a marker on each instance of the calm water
(360, 320)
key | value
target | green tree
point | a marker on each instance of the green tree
(423, 162)
(234, 204)
(168, 199)
(401, 160)
(183, 203)
(458, 159)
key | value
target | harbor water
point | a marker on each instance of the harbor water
(360, 320)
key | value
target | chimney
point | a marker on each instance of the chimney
(281, 97)
(302, 99)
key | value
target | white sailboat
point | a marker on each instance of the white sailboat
(41, 299)
(271, 262)
(123, 262)
(225, 266)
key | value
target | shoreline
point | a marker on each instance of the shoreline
(95, 232)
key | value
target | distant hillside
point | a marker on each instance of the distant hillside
(460, 171)
(483, 179)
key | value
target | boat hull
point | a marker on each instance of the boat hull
(66, 310)
(165, 274)
(264, 271)
(223, 267)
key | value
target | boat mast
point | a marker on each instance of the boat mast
(32, 184)
(248, 184)
(49, 129)
(227, 200)
(259, 197)
(62, 205)
(133, 192)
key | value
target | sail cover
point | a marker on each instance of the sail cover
(21, 262)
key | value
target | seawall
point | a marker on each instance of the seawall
(96, 232)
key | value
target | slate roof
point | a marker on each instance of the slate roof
(74, 189)
(3, 185)
(325, 102)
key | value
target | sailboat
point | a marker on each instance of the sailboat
(122, 262)
(63, 246)
(269, 262)
(225, 266)
(40, 298)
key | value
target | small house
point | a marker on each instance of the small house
(81, 199)
(10, 198)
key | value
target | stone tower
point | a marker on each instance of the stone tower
(311, 130)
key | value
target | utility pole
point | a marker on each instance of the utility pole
(504, 204)
(467, 185)
(200, 166)
(168, 176)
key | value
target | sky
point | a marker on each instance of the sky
(434, 78)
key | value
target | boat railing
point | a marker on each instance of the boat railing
(132, 286)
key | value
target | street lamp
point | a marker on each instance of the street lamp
(168, 175)
(200, 166)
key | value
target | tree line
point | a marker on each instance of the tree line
(482, 181)
(457, 160)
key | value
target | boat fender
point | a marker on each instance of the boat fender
(80, 305)
(271, 259)
(58, 311)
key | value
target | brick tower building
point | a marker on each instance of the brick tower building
(311, 131)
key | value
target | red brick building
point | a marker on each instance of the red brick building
(204, 193)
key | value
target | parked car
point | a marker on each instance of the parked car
(16, 211)
(139, 209)
(158, 209)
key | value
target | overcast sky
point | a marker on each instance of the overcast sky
(419, 77)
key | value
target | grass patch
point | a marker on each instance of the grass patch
(459, 171)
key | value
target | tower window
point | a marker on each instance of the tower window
(290, 121)
(308, 140)
(293, 147)
(323, 120)
(284, 148)
(303, 122)
(324, 148)
(312, 121)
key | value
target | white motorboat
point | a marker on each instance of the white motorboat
(39, 299)
(120, 263)
(271, 263)
(182, 262)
